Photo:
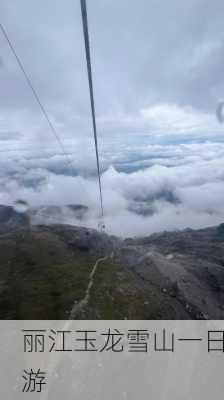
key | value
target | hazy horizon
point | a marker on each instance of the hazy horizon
(158, 77)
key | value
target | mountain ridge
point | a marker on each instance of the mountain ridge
(45, 271)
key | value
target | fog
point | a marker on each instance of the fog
(183, 187)
(158, 78)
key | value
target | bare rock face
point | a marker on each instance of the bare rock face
(192, 264)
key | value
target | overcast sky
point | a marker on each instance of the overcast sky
(156, 65)
(158, 72)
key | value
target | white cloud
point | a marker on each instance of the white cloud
(164, 119)
(185, 192)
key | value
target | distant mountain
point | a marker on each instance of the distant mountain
(21, 215)
(11, 219)
(147, 205)
(61, 271)
(57, 214)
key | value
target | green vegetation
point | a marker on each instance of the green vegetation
(115, 295)
(41, 278)
(44, 271)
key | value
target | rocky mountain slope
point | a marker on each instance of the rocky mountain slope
(62, 271)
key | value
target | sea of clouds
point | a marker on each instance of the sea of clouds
(158, 78)
(146, 187)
